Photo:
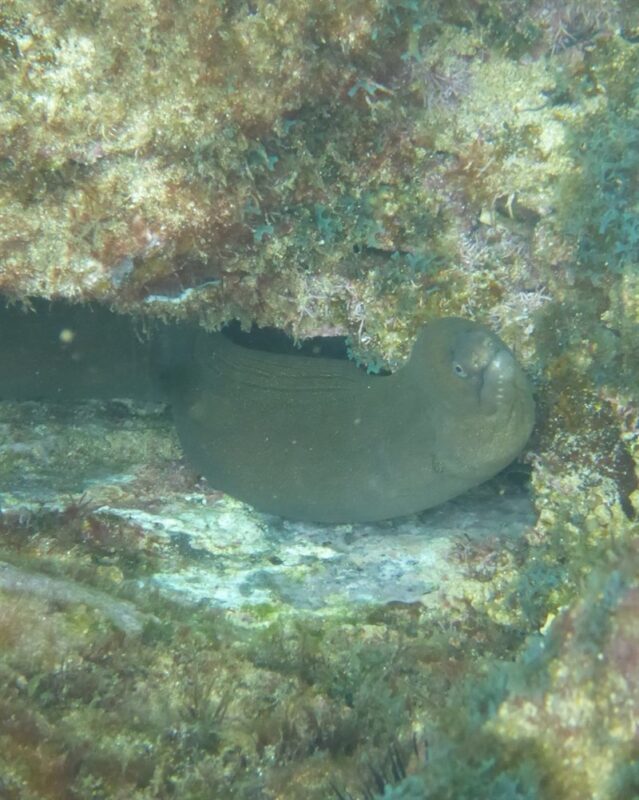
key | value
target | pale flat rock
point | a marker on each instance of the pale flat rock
(122, 466)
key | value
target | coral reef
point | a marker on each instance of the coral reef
(159, 638)
(355, 167)
(575, 701)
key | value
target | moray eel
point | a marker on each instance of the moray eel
(318, 439)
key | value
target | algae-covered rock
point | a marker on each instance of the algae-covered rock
(576, 701)
(326, 167)
(353, 166)
(154, 629)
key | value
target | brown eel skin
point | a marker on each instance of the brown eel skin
(308, 438)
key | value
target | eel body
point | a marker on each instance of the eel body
(303, 437)
(319, 439)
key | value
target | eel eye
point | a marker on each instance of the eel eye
(460, 371)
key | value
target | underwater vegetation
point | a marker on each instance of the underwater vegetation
(355, 168)
(405, 167)
(606, 151)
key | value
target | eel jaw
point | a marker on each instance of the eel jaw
(499, 383)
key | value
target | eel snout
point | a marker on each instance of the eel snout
(502, 381)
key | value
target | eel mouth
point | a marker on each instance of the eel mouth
(500, 379)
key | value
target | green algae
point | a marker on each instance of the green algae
(415, 160)
(277, 697)
(176, 182)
